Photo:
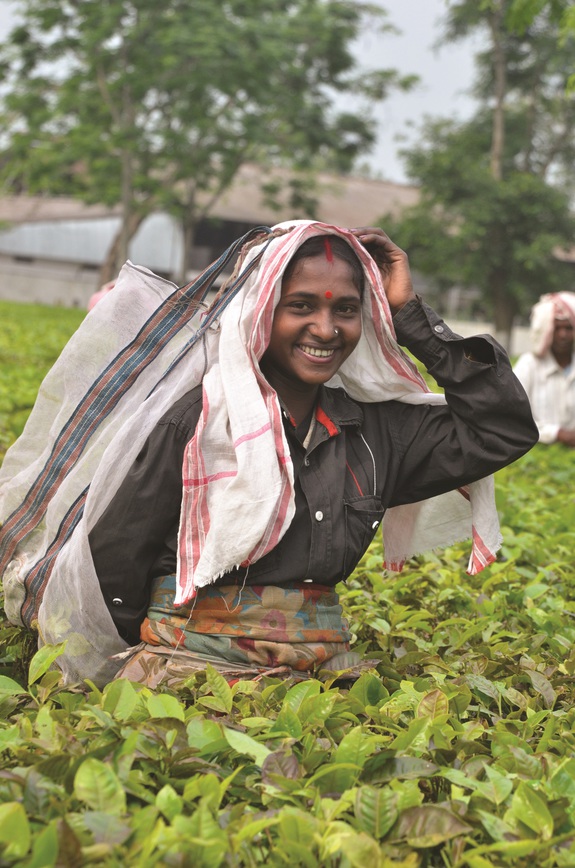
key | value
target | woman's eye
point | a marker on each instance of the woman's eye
(299, 305)
(348, 309)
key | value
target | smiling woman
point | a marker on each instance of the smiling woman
(199, 500)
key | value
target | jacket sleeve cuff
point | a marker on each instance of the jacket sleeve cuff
(419, 328)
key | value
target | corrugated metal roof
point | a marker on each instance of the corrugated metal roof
(347, 201)
(158, 242)
(33, 209)
(343, 200)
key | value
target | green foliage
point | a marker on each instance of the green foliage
(496, 191)
(31, 339)
(457, 750)
(470, 229)
(523, 14)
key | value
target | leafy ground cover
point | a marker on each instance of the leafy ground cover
(458, 750)
(31, 338)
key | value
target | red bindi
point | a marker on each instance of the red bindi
(329, 294)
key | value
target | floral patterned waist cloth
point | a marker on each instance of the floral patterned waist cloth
(298, 613)
(299, 627)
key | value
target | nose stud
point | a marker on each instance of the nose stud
(336, 331)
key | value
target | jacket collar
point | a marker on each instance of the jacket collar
(334, 411)
(336, 407)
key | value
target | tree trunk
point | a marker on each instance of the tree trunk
(127, 208)
(115, 257)
(496, 21)
(188, 225)
(504, 311)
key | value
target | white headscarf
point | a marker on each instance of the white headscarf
(557, 305)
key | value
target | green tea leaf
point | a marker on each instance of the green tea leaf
(335, 778)
(161, 705)
(315, 709)
(369, 690)
(531, 810)
(43, 659)
(496, 828)
(120, 699)
(15, 836)
(297, 826)
(433, 704)
(355, 747)
(382, 769)
(206, 842)
(376, 810)
(298, 693)
(220, 688)
(205, 735)
(9, 687)
(45, 848)
(358, 848)
(96, 784)
(9, 737)
(405, 739)
(563, 780)
(249, 831)
(169, 802)
(287, 722)
(245, 744)
(497, 787)
(429, 826)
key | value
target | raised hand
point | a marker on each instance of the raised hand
(392, 263)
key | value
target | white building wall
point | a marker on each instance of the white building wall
(46, 282)
(58, 262)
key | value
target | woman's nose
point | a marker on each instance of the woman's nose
(323, 326)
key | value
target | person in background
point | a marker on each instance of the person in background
(548, 371)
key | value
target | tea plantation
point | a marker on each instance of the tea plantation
(458, 751)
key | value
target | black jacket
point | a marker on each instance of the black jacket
(361, 459)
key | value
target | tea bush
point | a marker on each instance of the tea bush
(457, 750)
(31, 339)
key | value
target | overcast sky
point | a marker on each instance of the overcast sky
(446, 75)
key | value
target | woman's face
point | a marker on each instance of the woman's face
(316, 325)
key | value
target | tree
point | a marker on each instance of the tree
(469, 228)
(495, 191)
(157, 105)
(523, 13)
(522, 73)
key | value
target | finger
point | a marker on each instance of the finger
(369, 236)
(377, 230)
(368, 231)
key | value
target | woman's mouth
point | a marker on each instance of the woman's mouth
(317, 352)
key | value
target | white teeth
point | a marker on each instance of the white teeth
(315, 351)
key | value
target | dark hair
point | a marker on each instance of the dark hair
(316, 246)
